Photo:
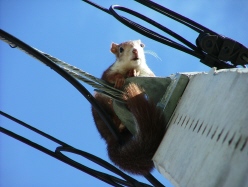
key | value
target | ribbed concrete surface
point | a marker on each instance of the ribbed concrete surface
(206, 144)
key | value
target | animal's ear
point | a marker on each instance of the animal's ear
(114, 48)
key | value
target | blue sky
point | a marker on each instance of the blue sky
(81, 35)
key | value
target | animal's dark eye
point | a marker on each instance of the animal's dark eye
(121, 49)
(142, 45)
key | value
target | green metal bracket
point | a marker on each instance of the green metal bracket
(173, 94)
(164, 91)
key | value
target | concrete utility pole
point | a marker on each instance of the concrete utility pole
(206, 144)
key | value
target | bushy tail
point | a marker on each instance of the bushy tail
(135, 156)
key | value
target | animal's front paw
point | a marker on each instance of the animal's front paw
(132, 90)
(119, 82)
(133, 73)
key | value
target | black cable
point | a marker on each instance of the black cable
(177, 17)
(205, 59)
(112, 180)
(70, 79)
(32, 128)
(152, 22)
(153, 35)
(97, 6)
(194, 51)
(55, 155)
(102, 163)
(155, 182)
(191, 49)
(66, 76)
(147, 32)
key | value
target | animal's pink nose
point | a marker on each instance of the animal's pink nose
(135, 51)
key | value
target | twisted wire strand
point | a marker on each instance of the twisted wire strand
(191, 49)
(100, 85)
(99, 88)
(16, 43)
(81, 75)
(13, 45)
(31, 52)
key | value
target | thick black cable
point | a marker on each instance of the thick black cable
(66, 76)
(177, 17)
(97, 6)
(70, 79)
(32, 128)
(196, 52)
(148, 20)
(101, 163)
(129, 181)
(205, 59)
(149, 33)
(155, 182)
(154, 23)
(94, 173)
(146, 31)
(152, 34)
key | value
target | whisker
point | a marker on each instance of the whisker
(153, 54)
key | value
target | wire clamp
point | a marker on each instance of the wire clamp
(223, 48)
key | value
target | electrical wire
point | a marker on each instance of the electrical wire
(16, 43)
(184, 46)
(191, 49)
(33, 52)
(57, 154)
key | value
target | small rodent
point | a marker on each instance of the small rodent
(135, 154)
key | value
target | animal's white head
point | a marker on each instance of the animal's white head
(129, 54)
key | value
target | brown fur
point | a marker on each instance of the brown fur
(135, 155)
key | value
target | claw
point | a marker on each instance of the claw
(133, 73)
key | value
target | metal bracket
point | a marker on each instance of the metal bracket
(223, 48)
(166, 92)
